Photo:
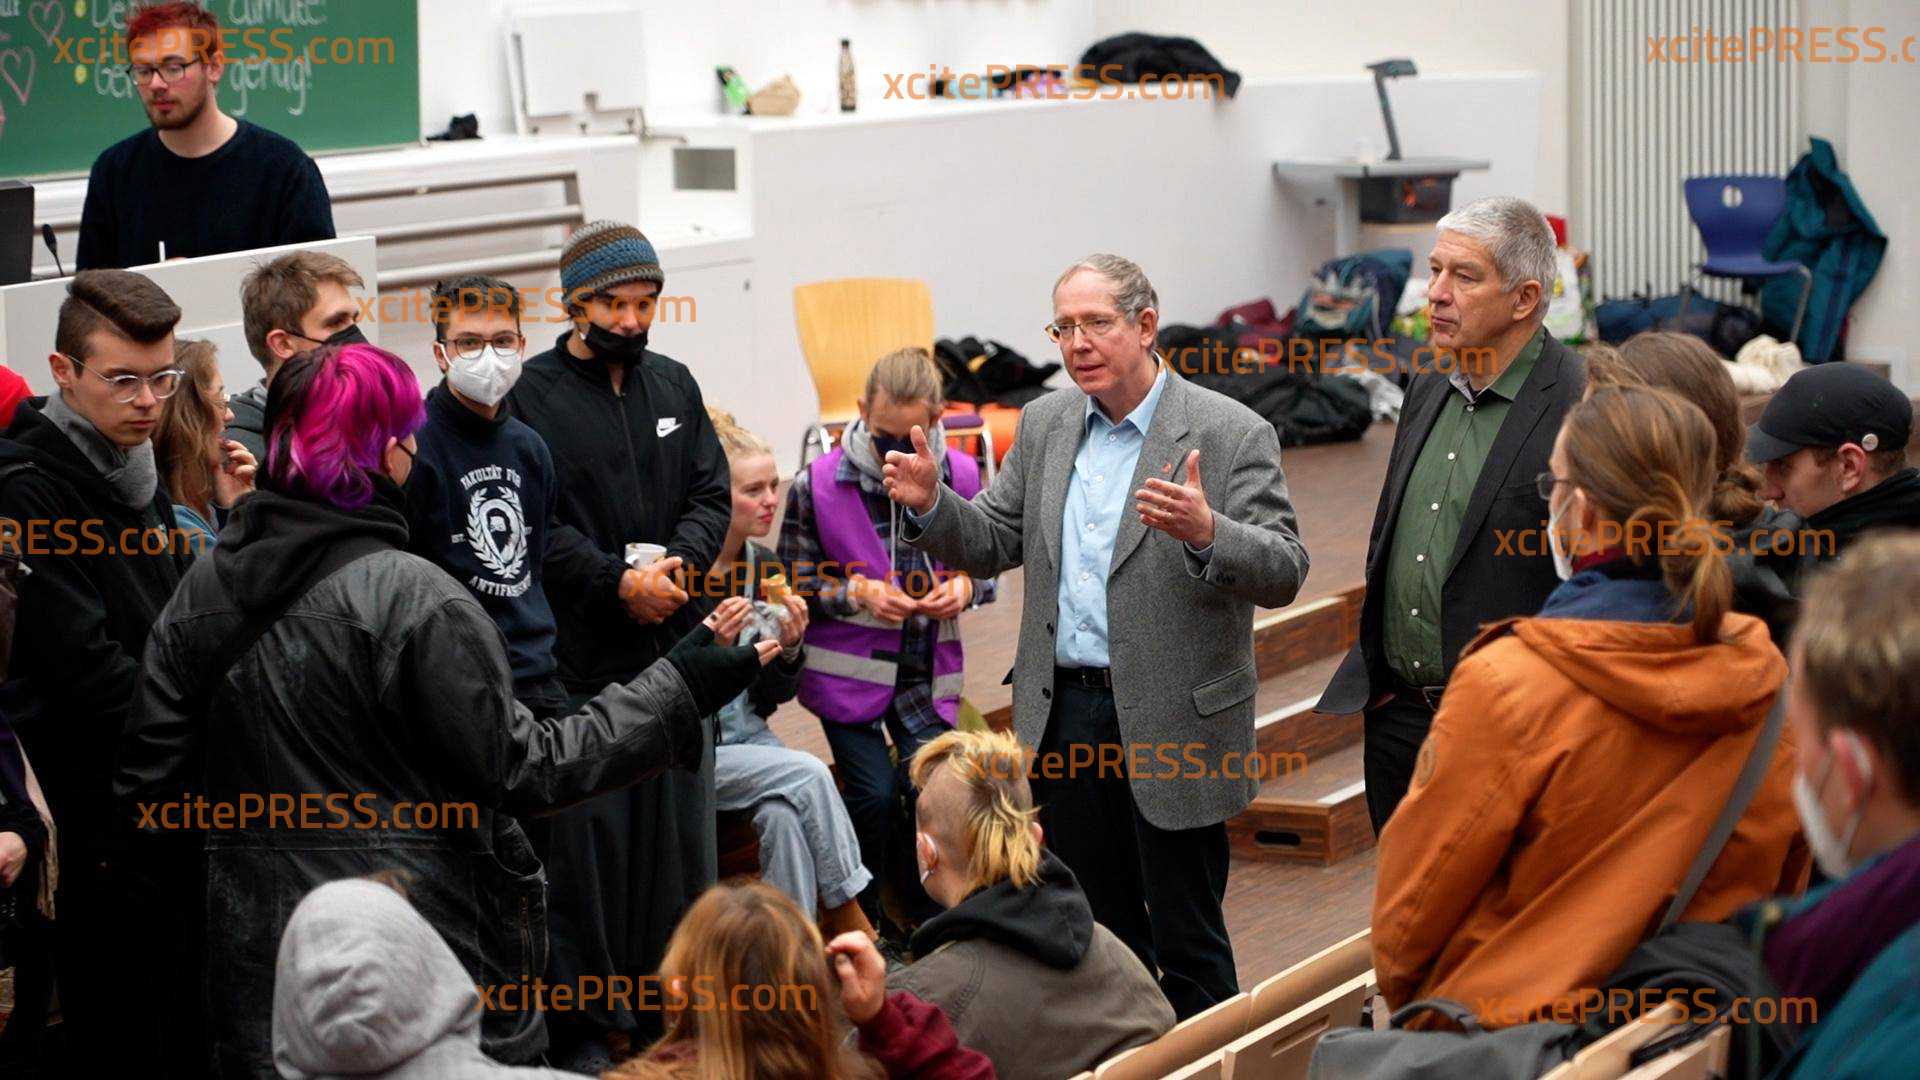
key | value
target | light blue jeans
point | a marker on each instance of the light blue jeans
(808, 849)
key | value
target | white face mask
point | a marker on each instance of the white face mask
(1832, 852)
(1562, 560)
(485, 378)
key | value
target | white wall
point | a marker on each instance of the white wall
(1868, 112)
(1182, 187)
(1318, 37)
(463, 57)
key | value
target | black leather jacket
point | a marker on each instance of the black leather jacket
(384, 683)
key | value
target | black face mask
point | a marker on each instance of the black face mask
(351, 335)
(610, 348)
(883, 443)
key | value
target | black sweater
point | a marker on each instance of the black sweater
(258, 190)
(642, 465)
(478, 503)
(84, 613)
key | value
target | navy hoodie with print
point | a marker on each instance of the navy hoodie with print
(478, 502)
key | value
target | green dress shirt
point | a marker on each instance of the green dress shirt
(1431, 510)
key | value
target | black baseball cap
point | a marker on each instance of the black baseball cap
(1830, 405)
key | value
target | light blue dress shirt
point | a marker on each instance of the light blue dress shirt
(1098, 498)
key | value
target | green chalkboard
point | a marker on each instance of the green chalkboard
(328, 74)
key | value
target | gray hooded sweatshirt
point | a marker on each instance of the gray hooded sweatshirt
(365, 987)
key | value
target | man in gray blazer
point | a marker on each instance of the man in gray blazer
(1152, 517)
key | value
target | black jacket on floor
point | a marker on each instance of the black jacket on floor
(642, 465)
(84, 613)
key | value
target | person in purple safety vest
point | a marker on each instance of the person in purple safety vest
(883, 642)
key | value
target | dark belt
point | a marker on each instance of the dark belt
(1426, 695)
(1093, 678)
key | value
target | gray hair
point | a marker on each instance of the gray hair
(1517, 236)
(1132, 292)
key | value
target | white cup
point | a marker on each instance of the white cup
(639, 555)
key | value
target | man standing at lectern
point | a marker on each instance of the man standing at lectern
(197, 182)
(1152, 517)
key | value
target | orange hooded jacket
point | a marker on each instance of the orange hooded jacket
(1572, 773)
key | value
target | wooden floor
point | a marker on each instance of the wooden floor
(1277, 913)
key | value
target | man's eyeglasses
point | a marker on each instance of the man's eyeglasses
(1094, 327)
(468, 346)
(126, 388)
(170, 71)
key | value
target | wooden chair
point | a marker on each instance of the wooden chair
(1196, 1037)
(1699, 1060)
(1608, 1058)
(1310, 978)
(1211, 1067)
(845, 326)
(1281, 1048)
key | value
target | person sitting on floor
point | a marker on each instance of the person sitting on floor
(808, 848)
(1853, 946)
(1581, 757)
(747, 993)
(1017, 933)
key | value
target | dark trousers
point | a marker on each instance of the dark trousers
(1395, 728)
(872, 783)
(621, 870)
(24, 1046)
(1158, 890)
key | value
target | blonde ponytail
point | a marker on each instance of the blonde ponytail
(737, 441)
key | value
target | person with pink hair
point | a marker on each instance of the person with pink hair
(359, 702)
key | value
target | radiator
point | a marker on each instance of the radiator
(1648, 122)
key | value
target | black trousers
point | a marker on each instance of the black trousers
(1158, 890)
(873, 780)
(1394, 731)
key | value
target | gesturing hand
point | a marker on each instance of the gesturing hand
(1179, 510)
(913, 480)
(862, 974)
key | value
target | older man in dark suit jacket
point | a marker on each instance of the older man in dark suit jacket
(1458, 537)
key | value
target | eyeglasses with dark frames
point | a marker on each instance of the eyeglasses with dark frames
(1544, 483)
(170, 71)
